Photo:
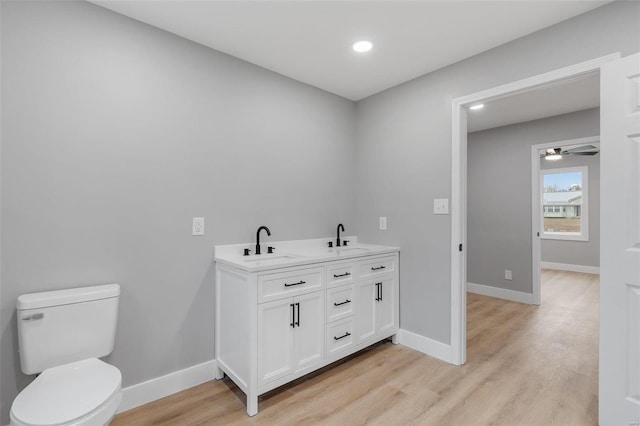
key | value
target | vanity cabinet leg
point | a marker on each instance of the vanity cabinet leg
(252, 405)
(394, 339)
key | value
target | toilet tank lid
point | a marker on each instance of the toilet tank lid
(68, 296)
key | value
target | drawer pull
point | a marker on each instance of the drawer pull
(342, 303)
(347, 334)
(378, 268)
(346, 274)
(298, 283)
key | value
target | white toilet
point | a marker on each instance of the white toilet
(61, 334)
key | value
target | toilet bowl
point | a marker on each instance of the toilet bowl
(81, 393)
(86, 392)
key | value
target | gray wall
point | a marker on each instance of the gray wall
(586, 253)
(403, 148)
(499, 196)
(115, 134)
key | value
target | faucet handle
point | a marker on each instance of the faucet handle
(330, 243)
(344, 242)
(270, 249)
(246, 252)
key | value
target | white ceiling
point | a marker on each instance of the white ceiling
(310, 41)
(560, 98)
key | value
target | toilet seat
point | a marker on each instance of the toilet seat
(68, 394)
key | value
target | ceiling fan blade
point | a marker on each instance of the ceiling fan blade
(584, 153)
(582, 148)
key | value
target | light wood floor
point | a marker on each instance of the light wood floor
(526, 365)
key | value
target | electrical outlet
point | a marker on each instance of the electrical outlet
(383, 223)
(198, 226)
(508, 275)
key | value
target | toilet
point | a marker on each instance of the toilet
(61, 335)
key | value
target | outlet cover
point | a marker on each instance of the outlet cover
(508, 275)
(198, 226)
(383, 223)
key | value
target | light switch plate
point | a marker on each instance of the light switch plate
(383, 223)
(198, 226)
(440, 206)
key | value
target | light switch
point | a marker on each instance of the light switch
(440, 206)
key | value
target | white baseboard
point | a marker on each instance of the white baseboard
(500, 293)
(572, 268)
(151, 390)
(425, 345)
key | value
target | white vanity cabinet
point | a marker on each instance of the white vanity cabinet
(275, 324)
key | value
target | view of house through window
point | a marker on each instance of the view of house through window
(564, 207)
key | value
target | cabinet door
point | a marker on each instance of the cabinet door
(275, 340)
(386, 307)
(309, 330)
(366, 311)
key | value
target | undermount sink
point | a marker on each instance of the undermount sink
(351, 250)
(266, 258)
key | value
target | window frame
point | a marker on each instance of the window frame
(584, 214)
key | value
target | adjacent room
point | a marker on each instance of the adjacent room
(270, 212)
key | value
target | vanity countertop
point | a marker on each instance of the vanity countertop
(294, 253)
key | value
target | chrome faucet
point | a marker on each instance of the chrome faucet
(340, 226)
(258, 238)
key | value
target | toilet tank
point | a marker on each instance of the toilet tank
(63, 326)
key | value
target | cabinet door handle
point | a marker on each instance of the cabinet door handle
(341, 303)
(347, 334)
(378, 292)
(293, 316)
(298, 320)
(292, 284)
(346, 274)
(373, 268)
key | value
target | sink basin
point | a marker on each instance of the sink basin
(267, 258)
(351, 250)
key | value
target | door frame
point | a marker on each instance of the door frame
(459, 183)
(536, 241)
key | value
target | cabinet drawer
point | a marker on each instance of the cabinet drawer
(340, 274)
(377, 266)
(340, 302)
(287, 284)
(340, 336)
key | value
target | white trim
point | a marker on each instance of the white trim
(536, 203)
(459, 184)
(154, 389)
(572, 268)
(500, 293)
(427, 346)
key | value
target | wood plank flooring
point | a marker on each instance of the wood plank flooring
(526, 365)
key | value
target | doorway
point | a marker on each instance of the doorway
(459, 184)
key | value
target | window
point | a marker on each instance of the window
(565, 203)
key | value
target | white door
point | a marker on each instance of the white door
(620, 243)
(386, 307)
(309, 330)
(275, 340)
(366, 311)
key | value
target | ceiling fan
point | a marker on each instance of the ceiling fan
(558, 153)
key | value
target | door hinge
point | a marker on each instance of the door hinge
(460, 247)
(538, 234)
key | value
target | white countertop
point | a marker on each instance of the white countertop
(295, 253)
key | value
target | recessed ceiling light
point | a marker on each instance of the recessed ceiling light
(362, 46)
(476, 106)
